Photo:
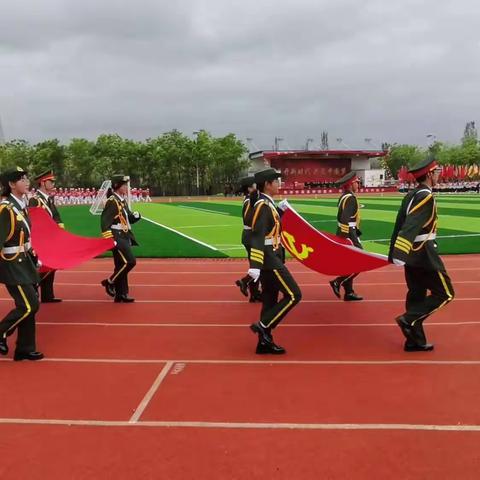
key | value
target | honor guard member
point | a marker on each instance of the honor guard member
(267, 263)
(249, 189)
(116, 223)
(413, 245)
(44, 198)
(348, 221)
(18, 267)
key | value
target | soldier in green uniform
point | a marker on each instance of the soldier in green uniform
(267, 263)
(348, 221)
(18, 267)
(116, 223)
(246, 284)
(413, 245)
(43, 198)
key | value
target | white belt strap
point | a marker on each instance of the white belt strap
(16, 249)
(118, 226)
(425, 237)
(269, 241)
(246, 227)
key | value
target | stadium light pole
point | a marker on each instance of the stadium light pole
(196, 133)
(431, 137)
(308, 142)
(277, 143)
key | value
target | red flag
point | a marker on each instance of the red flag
(323, 252)
(58, 249)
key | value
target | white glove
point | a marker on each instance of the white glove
(136, 215)
(283, 205)
(254, 273)
(398, 262)
(39, 263)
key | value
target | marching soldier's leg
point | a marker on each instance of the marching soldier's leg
(26, 341)
(128, 263)
(46, 287)
(26, 305)
(244, 283)
(291, 296)
(120, 265)
(347, 284)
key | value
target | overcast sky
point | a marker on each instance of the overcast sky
(388, 70)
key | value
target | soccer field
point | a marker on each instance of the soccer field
(212, 228)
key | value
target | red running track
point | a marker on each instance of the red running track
(169, 387)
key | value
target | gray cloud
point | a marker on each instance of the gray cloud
(386, 70)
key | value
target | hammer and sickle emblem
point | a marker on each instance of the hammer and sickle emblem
(291, 247)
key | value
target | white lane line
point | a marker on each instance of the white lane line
(205, 226)
(236, 325)
(231, 272)
(244, 425)
(228, 302)
(270, 363)
(229, 285)
(438, 236)
(151, 392)
(181, 234)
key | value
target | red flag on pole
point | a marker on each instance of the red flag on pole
(58, 249)
(323, 252)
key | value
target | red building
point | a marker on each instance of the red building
(314, 167)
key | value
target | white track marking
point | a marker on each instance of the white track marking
(204, 210)
(151, 392)
(181, 234)
(244, 425)
(228, 285)
(236, 325)
(270, 363)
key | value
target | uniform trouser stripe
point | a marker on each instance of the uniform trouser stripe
(274, 282)
(25, 315)
(124, 266)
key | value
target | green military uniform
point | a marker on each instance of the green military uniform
(116, 223)
(18, 272)
(413, 244)
(246, 284)
(348, 222)
(47, 202)
(267, 254)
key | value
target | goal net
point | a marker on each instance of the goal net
(101, 198)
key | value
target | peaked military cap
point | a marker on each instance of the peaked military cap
(46, 175)
(267, 175)
(247, 181)
(12, 175)
(120, 179)
(347, 179)
(424, 167)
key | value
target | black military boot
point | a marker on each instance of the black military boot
(335, 287)
(269, 348)
(33, 356)
(109, 287)
(255, 294)
(3, 346)
(243, 286)
(123, 299)
(352, 297)
(420, 344)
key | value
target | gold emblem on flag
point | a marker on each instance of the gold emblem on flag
(289, 241)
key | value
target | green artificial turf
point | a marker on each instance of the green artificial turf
(218, 224)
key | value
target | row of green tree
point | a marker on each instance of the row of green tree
(467, 152)
(172, 163)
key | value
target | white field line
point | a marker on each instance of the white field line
(181, 234)
(244, 425)
(206, 226)
(151, 392)
(438, 236)
(236, 325)
(203, 210)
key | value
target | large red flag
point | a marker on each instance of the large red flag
(58, 249)
(323, 252)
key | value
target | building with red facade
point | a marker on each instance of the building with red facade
(313, 169)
